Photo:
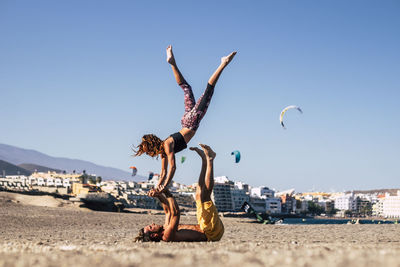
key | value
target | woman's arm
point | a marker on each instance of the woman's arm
(164, 167)
(171, 170)
(169, 160)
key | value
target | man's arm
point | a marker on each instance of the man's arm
(164, 203)
(170, 231)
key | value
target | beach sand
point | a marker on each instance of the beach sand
(64, 235)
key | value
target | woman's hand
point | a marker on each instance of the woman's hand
(160, 188)
(153, 193)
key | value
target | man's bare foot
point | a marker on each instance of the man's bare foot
(170, 55)
(225, 60)
(199, 151)
(210, 154)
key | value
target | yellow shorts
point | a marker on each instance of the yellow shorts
(209, 221)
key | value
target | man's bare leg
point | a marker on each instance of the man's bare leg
(209, 178)
(171, 60)
(224, 62)
(206, 179)
(201, 182)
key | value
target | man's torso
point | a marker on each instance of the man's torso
(190, 233)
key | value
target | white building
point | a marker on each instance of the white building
(221, 179)
(258, 203)
(58, 182)
(49, 182)
(377, 208)
(346, 202)
(229, 195)
(391, 206)
(239, 196)
(66, 183)
(262, 191)
(240, 185)
(222, 196)
(41, 182)
(273, 205)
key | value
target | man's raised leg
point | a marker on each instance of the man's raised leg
(201, 182)
(206, 179)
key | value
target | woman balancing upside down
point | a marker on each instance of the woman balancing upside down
(194, 112)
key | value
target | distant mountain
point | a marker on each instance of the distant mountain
(16, 155)
(10, 169)
(38, 168)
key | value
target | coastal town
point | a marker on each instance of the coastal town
(228, 195)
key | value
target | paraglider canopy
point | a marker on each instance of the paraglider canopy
(151, 174)
(284, 111)
(134, 170)
(237, 155)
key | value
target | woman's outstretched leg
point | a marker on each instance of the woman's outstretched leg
(187, 89)
(224, 62)
(204, 101)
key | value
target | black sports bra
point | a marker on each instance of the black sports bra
(179, 142)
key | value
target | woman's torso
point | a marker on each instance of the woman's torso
(178, 141)
(187, 134)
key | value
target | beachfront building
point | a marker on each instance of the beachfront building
(273, 205)
(288, 203)
(49, 181)
(263, 204)
(239, 196)
(363, 206)
(377, 208)
(14, 181)
(72, 177)
(346, 202)
(258, 203)
(229, 195)
(222, 194)
(41, 181)
(391, 206)
(301, 205)
(262, 191)
(328, 205)
(66, 182)
(243, 186)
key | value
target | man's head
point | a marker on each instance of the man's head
(151, 232)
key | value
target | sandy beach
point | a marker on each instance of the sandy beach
(58, 234)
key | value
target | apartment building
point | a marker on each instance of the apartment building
(391, 206)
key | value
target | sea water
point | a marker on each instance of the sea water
(332, 221)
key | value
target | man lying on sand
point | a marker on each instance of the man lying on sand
(209, 227)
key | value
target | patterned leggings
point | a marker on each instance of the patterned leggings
(194, 112)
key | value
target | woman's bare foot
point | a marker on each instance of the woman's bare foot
(210, 154)
(199, 151)
(170, 55)
(225, 60)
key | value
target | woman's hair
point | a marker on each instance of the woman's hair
(151, 145)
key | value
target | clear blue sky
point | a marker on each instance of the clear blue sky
(86, 79)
